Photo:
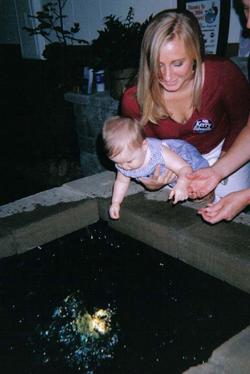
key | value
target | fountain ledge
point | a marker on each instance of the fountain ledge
(221, 250)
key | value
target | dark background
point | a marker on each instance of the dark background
(39, 148)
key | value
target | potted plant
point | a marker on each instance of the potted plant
(117, 50)
(64, 52)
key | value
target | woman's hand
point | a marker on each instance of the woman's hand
(227, 208)
(202, 182)
(158, 180)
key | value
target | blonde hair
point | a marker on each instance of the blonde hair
(164, 27)
(120, 133)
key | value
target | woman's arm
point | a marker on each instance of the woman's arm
(205, 180)
(235, 93)
(237, 155)
(119, 191)
(158, 180)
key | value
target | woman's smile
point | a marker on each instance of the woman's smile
(169, 83)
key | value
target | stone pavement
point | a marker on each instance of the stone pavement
(221, 250)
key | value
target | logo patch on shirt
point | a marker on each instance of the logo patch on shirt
(203, 125)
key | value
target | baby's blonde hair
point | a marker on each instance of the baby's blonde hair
(121, 133)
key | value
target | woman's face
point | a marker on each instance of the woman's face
(246, 6)
(176, 66)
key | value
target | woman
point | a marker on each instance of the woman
(205, 181)
(180, 94)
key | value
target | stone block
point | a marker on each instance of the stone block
(219, 250)
(90, 164)
(7, 242)
(45, 224)
(95, 186)
(232, 357)
(91, 111)
(87, 144)
(153, 222)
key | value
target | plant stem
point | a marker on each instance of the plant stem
(60, 7)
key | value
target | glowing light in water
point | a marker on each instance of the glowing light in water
(78, 338)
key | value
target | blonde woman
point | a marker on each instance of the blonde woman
(184, 95)
(202, 183)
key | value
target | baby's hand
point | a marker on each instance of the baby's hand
(114, 211)
(178, 195)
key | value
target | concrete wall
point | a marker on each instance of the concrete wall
(89, 125)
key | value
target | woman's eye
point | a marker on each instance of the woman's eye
(178, 63)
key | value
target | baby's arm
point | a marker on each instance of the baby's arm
(181, 168)
(119, 191)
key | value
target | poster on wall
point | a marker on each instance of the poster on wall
(213, 17)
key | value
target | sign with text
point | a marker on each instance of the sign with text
(213, 17)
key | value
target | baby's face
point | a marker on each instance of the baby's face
(131, 158)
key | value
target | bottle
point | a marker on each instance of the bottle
(90, 81)
(99, 79)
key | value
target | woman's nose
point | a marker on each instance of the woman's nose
(166, 73)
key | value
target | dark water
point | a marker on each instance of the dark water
(168, 316)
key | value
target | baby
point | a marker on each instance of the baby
(136, 156)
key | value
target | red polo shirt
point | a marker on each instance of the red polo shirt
(225, 105)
